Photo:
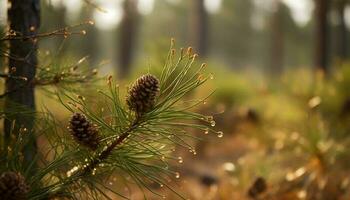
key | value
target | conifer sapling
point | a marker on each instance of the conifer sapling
(132, 137)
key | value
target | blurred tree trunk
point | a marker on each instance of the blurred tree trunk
(92, 47)
(342, 40)
(199, 27)
(321, 35)
(2, 46)
(128, 34)
(24, 19)
(277, 39)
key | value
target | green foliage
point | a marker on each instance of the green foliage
(133, 149)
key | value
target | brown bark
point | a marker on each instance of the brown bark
(342, 39)
(321, 35)
(24, 19)
(128, 34)
(199, 27)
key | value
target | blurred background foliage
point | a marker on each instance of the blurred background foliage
(236, 34)
(281, 81)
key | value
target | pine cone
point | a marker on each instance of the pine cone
(13, 186)
(142, 95)
(83, 131)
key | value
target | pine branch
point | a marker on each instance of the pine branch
(46, 77)
(65, 32)
(107, 152)
(150, 128)
(135, 137)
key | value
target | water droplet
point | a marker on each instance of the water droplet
(206, 131)
(177, 175)
(73, 170)
(180, 160)
(93, 171)
(212, 123)
(194, 152)
(210, 118)
(220, 134)
(161, 185)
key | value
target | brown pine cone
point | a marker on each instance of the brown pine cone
(13, 186)
(83, 131)
(142, 95)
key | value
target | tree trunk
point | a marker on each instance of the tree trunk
(277, 40)
(128, 33)
(342, 31)
(199, 27)
(24, 19)
(321, 35)
(2, 46)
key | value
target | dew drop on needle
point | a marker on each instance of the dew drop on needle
(220, 134)
(177, 175)
(180, 160)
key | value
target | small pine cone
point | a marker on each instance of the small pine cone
(83, 131)
(13, 186)
(142, 95)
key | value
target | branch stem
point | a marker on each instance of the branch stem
(100, 158)
(105, 153)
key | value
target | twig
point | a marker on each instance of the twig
(9, 76)
(38, 82)
(59, 32)
(105, 153)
